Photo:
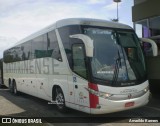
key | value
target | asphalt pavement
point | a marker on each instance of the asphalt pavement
(24, 105)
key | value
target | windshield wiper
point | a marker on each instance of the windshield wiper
(116, 70)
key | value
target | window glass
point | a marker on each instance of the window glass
(135, 63)
(18, 53)
(39, 47)
(42, 46)
(45, 42)
(79, 60)
(8, 56)
(65, 32)
(26, 54)
(15, 53)
(53, 47)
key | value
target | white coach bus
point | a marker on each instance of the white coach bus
(94, 66)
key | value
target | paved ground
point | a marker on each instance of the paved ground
(28, 106)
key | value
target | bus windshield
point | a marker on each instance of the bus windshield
(117, 55)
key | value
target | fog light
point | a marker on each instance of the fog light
(146, 89)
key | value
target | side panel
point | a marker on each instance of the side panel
(78, 95)
(71, 98)
(82, 99)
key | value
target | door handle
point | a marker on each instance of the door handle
(76, 86)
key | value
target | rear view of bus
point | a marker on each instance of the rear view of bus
(109, 67)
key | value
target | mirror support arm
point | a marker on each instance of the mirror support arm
(154, 45)
(88, 42)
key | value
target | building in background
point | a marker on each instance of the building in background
(146, 19)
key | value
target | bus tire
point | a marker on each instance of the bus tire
(15, 92)
(60, 100)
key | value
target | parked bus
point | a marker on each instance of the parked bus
(90, 65)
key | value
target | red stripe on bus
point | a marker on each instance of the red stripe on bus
(94, 100)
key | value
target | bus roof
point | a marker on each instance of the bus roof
(89, 21)
(76, 21)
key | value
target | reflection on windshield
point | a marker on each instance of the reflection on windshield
(117, 55)
(133, 53)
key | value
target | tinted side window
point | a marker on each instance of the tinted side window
(65, 32)
(15, 54)
(46, 52)
(7, 56)
(26, 51)
(79, 65)
(53, 47)
(42, 46)
(39, 46)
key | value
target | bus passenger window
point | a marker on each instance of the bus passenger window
(53, 47)
(37, 47)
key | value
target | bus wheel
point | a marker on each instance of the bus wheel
(15, 88)
(60, 101)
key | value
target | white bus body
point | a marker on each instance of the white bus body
(57, 64)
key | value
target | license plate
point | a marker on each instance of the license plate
(129, 104)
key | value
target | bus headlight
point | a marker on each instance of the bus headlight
(99, 93)
(104, 95)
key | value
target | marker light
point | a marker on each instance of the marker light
(146, 89)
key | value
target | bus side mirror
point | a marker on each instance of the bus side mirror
(88, 42)
(149, 47)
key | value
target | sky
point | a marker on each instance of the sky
(20, 18)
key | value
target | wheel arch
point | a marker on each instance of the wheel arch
(54, 90)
